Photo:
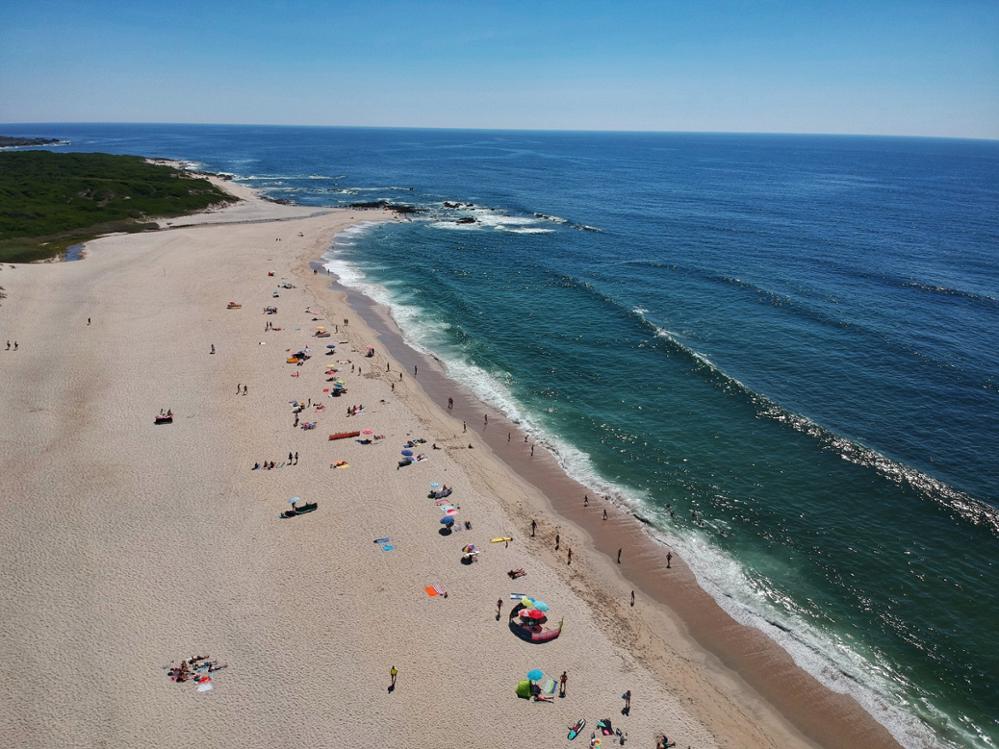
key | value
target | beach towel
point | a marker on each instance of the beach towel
(431, 591)
(548, 688)
(206, 686)
(388, 547)
(383, 540)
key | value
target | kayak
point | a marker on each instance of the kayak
(343, 435)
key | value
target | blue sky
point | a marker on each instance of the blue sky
(917, 68)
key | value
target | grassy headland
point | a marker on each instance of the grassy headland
(50, 201)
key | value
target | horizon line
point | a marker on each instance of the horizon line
(510, 129)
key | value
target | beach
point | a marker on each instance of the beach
(129, 545)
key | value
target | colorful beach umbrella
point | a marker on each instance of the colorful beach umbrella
(535, 674)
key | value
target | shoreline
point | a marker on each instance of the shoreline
(115, 513)
(740, 654)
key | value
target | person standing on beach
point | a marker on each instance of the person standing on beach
(499, 608)
(393, 673)
(561, 684)
(626, 710)
(416, 371)
(88, 322)
(669, 558)
(632, 598)
(296, 458)
(508, 436)
(388, 368)
(464, 427)
(532, 450)
(605, 514)
(244, 389)
(557, 540)
(289, 454)
(619, 556)
(485, 419)
(450, 403)
(210, 352)
(534, 526)
(570, 556)
(586, 500)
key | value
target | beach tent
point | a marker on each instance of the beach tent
(524, 689)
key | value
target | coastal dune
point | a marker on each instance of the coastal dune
(128, 545)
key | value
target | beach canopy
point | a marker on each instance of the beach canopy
(535, 674)
(447, 520)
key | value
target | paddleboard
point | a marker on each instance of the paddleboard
(500, 539)
(576, 728)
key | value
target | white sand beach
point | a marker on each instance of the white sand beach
(128, 545)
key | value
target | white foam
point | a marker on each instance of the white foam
(525, 230)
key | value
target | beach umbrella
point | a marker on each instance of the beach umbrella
(408, 453)
(447, 520)
(330, 345)
(469, 548)
(294, 500)
(535, 614)
(535, 674)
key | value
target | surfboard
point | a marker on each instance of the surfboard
(576, 728)
(500, 539)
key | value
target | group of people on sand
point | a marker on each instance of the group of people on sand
(355, 410)
(9, 347)
(191, 668)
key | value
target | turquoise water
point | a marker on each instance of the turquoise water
(790, 342)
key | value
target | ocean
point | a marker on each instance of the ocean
(784, 350)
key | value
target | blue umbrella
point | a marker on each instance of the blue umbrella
(535, 674)
(447, 520)
(408, 453)
(330, 345)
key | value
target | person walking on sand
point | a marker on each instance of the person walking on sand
(15, 345)
(626, 710)
(605, 514)
(570, 556)
(619, 556)
(210, 352)
(416, 371)
(534, 526)
(485, 419)
(499, 608)
(393, 673)
(532, 450)
(632, 598)
(464, 427)
(669, 558)
(88, 322)
(296, 458)
(290, 456)
(557, 540)
(561, 684)
(450, 403)
(508, 436)
(586, 500)
(244, 390)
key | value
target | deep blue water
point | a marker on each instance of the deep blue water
(792, 342)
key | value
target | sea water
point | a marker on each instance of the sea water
(782, 349)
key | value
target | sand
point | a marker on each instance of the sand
(126, 545)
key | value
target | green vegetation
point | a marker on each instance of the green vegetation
(50, 201)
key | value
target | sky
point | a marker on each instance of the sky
(892, 68)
